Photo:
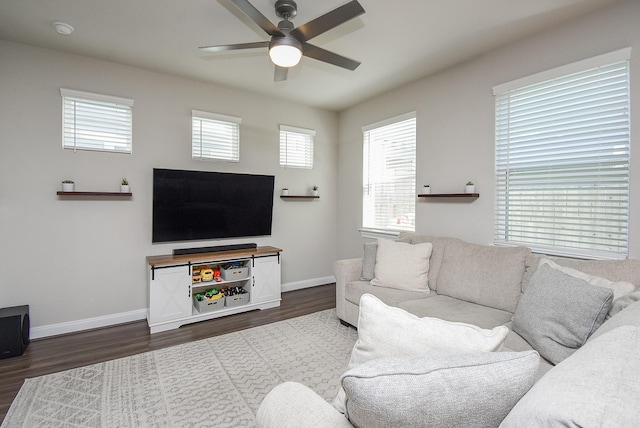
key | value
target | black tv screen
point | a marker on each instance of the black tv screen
(200, 205)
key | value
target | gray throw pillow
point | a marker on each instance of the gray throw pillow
(599, 386)
(462, 390)
(369, 260)
(558, 312)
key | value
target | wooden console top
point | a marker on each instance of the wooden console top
(217, 255)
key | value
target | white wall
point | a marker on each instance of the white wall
(80, 259)
(455, 126)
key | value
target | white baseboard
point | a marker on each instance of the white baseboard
(307, 283)
(87, 324)
(140, 314)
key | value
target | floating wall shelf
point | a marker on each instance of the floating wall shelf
(94, 193)
(449, 195)
(299, 197)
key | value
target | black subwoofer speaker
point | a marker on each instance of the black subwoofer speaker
(14, 331)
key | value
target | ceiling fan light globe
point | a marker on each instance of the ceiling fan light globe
(285, 55)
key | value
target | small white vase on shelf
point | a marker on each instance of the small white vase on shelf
(125, 188)
(68, 187)
(470, 188)
(284, 192)
(426, 190)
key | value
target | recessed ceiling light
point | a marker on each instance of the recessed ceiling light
(63, 28)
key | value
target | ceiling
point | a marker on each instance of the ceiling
(396, 41)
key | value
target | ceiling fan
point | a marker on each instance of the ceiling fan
(288, 43)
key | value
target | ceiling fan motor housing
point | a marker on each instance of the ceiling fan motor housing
(286, 9)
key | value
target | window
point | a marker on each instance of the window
(296, 147)
(562, 159)
(389, 175)
(96, 122)
(215, 136)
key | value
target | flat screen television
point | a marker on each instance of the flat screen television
(201, 205)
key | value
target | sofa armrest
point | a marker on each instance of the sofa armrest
(292, 404)
(345, 271)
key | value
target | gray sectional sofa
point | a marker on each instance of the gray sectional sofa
(582, 317)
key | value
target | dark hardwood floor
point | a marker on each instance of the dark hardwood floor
(54, 354)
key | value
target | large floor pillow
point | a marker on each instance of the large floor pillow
(462, 390)
(385, 331)
(598, 386)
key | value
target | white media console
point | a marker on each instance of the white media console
(173, 288)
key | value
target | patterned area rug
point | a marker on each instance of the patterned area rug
(217, 382)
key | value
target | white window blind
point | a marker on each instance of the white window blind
(562, 162)
(296, 147)
(215, 136)
(96, 122)
(389, 175)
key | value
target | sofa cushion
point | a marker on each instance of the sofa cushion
(461, 390)
(354, 291)
(402, 266)
(558, 312)
(482, 274)
(598, 386)
(456, 310)
(516, 343)
(385, 331)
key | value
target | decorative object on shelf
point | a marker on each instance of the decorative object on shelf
(284, 191)
(426, 189)
(68, 185)
(314, 190)
(124, 186)
(470, 187)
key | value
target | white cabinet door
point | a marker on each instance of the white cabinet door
(266, 279)
(169, 293)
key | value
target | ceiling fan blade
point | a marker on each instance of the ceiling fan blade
(327, 21)
(222, 48)
(332, 58)
(257, 17)
(280, 74)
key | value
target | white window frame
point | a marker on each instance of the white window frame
(389, 194)
(215, 137)
(296, 147)
(96, 122)
(565, 193)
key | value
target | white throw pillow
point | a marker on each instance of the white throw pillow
(386, 331)
(620, 288)
(402, 266)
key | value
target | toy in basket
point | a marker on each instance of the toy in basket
(235, 271)
(211, 300)
(235, 296)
